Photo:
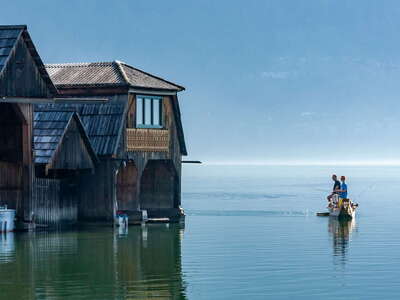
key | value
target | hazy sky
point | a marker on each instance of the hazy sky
(267, 81)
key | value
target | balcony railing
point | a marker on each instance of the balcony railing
(147, 139)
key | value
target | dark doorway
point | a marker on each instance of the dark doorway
(158, 186)
(11, 155)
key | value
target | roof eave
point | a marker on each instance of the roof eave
(179, 87)
(94, 85)
(13, 27)
(156, 89)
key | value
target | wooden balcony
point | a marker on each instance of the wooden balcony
(150, 140)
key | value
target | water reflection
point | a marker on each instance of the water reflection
(7, 247)
(141, 263)
(341, 231)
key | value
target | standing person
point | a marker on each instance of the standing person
(343, 188)
(336, 187)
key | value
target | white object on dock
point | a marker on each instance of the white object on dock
(123, 220)
(7, 217)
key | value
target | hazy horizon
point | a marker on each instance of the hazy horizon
(269, 81)
(383, 163)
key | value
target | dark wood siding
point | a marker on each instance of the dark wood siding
(142, 158)
(158, 186)
(127, 187)
(27, 159)
(21, 77)
(55, 201)
(72, 153)
(97, 193)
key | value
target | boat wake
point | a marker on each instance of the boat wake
(246, 213)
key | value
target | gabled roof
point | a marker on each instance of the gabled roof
(102, 123)
(9, 37)
(106, 74)
(49, 128)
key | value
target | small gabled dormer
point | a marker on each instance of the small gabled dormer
(61, 145)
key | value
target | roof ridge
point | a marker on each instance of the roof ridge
(122, 71)
(13, 26)
(79, 64)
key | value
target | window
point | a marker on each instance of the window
(148, 112)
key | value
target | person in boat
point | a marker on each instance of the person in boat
(336, 187)
(343, 188)
(342, 191)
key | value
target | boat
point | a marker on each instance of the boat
(342, 208)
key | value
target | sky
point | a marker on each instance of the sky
(271, 82)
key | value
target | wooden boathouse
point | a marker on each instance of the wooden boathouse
(140, 162)
(79, 142)
(22, 78)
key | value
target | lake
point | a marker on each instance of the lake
(250, 231)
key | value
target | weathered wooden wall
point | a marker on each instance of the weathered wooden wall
(21, 77)
(55, 201)
(27, 160)
(127, 187)
(158, 186)
(144, 159)
(97, 193)
(72, 154)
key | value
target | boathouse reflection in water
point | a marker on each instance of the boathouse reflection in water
(7, 247)
(144, 263)
(341, 231)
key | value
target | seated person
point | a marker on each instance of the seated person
(336, 187)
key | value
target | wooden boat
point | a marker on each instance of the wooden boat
(342, 208)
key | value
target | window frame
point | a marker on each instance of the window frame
(143, 111)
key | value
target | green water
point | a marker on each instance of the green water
(144, 263)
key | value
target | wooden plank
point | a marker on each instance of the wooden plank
(147, 139)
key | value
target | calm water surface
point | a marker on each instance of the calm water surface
(250, 232)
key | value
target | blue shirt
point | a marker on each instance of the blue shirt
(343, 194)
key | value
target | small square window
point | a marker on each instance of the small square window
(148, 112)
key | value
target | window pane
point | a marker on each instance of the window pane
(139, 111)
(147, 111)
(156, 112)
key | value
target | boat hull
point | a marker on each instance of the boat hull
(342, 213)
